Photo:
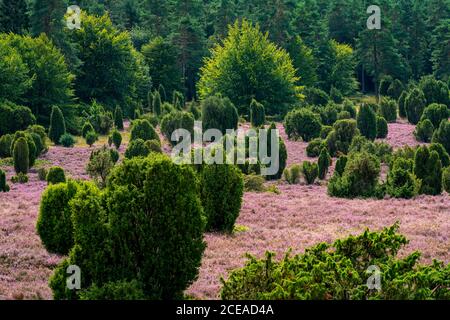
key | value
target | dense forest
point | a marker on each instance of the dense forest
(328, 42)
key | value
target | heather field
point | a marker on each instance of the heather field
(298, 217)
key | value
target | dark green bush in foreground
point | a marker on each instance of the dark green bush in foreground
(339, 271)
(56, 175)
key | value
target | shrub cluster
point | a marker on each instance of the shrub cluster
(174, 121)
(219, 113)
(302, 123)
(310, 171)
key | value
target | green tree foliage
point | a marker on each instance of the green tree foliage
(436, 113)
(142, 129)
(161, 56)
(415, 103)
(157, 103)
(222, 188)
(428, 168)
(116, 138)
(442, 135)
(5, 145)
(257, 113)
(115, 235)
(395, 89)
(302, 123)
(14, 16)
(54, 224)
(388, 109)
(338, 271)
(21, 156)
(174, 121)
(360, 177)
(401, 104)
(435, 91)
(219, 113)
(107, 53)
(382, 128)
(424, 131)
(401, 181)
(324, 163)
(304, 61)
(56, 175)
(137, 148)
(118, 118)
(441, 47)
(57, 125)
(248, 66)
(341, 163)
(314, 147)
(48, 75)
(340, 138)
(14, 117)
(367, 122)
(443, 154)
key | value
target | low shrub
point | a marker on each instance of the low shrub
(310, 171)
(87, 127)
(4, 187)
(360, 177)
(415, 103)
(316, 97)
(153, 146)
(67, 140)
(325, 131)
(136, 148)
(100, 165)
(302, 123)
(174, 121)
(424, 131)
(443, 155)
(219, 113)
(20, 178)
(116, 138)
(349, 107)
(257, 114)
(254, 183)
(91, 138)
(336, 95)
(428, 168)
(55, 175)
(142, 129)
(340, 271)
(292, 174)
(314, 147)
(329, 114)
(119, 290)
(42, 174)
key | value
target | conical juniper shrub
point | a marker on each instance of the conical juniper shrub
(257, 113)
(341, 162)
(424, 131)
(57, 125)
(118, 118)
(436, 113)
(443, 155)
(340, 138)
(382, 128)
(21, 156)
(324, 163)
(4, 187)
(142, 227)
(446, 180)
(310, 171)
(442, 135)
(401, 104)
(174, 121)
(401, 181)
(415, 103)
(388, 109)
(222, 188)
(428, 168)
(157, 103)
(367, 122)
(32, 150)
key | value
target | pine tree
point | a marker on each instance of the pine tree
(13, 16)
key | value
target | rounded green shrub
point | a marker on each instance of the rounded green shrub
(302, 123)
(91, 138)
(174, 121)
(39, 144)
(32, 150)
(137, 148)
(340, 139)
(443, 154)
(292, 174)
(5, 145)
(328, 114)
(118, 118)
(442, 135)
(87, 127)
(415, 103)
(435, 91)
(316, 97)
(4, 187)
(54, 223)
(314, 147)
(436, 113)
(219, 113)
(367, 122)
(142, 129)
(349, 107)
(254, 183)
(57, 125)
(21, 156)
(67, 140)
(388, 110)
(116, 138)
(152, 118)
(119, 290)
(382, 128)
(360, 177)
(56, 175)
(42, 174)
(222, 188)
(22, 118)
(324, 163)
(446, 180)
(424, 131)
(401, 181)
(20, 178)
(257, 114)
(310, 171)
(100, 164)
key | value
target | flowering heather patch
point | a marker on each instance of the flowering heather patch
(299, 217)
(401, 134)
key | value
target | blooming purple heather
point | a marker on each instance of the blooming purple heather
(297, 218)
